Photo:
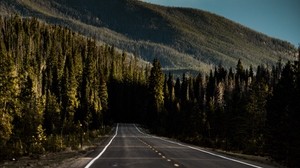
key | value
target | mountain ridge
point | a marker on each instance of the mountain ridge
(182, 38)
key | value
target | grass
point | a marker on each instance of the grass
(58, 159)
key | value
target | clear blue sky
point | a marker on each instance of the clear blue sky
(276, 18)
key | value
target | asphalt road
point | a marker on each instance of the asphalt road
(130, 147)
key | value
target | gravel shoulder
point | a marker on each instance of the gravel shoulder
(65, 159)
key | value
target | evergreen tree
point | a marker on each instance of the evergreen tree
(103, 94)
(178, 88)
(240, 72)
(282, 117)
(8, 95)
(256, 109)
(51, 116)
(31, 110)
(166, 90)
(156, 83)
(171, 88)
(184, 89)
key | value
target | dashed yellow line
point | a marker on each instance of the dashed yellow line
(159, 153)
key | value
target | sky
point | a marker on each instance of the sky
(275, 18)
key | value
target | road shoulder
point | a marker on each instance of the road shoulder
(64, 159)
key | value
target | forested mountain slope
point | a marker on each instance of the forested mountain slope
(58, 89)
(181, 38)
(56, 84)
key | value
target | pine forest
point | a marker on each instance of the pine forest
(58, 89)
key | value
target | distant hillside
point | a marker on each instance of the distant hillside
(181, 38)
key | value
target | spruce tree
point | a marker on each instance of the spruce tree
(283, 119)
(171, 88)
(156, 84)
(7, 95)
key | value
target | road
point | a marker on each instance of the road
(130, 147)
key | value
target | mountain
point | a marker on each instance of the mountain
(182, 38)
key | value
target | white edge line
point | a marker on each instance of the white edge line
(200, 150)
(101, 153)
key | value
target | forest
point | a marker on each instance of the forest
(59, 88)
(188, 39)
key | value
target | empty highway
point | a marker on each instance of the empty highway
(130, 147)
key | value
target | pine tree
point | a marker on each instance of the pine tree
(156, 83)
(51, 116)
(166, 90)
(8, 95)
(31, 110)
(283, 119)
(184, 89)
(240, 72)
(178, 88)
(103, 94)
(171, 88)
(256, 110)
(199, 90)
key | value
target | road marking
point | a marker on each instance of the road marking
(101, 153)
(176, 165)
(200, 150)
(130, 158)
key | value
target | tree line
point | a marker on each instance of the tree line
(58, 88)
(235, 110)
